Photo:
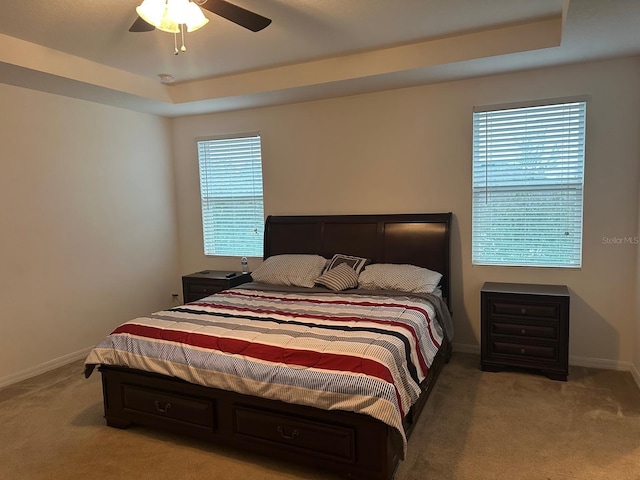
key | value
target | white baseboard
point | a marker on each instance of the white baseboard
(636, 374)
(607, 365)
(600, 363)
(44, 367)
(573, 360)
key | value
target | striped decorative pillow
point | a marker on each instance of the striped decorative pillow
(339, 278)
(357, 263)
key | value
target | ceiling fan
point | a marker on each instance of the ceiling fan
(238, 15)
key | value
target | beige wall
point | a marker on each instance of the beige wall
(635, 370)
(88, 230)
(409, 150)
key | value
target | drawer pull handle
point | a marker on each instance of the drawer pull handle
(523, 351)
(523, 311)
(523, 331)
(283, 434)
(162, 409)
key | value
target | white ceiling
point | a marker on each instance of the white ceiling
(313, 48)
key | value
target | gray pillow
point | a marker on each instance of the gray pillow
(290, 269)
(404, 278)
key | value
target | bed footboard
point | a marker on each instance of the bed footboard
(353, 445)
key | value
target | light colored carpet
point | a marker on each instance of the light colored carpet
(477, 425)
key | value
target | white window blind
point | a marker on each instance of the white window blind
(231, 191)
(528, 175)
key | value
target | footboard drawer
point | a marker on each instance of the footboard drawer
(325, 440)
(146, 401)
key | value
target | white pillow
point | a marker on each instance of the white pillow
(404, 278)
(297, 270)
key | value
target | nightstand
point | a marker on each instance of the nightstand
(525, 326)
(207, 282)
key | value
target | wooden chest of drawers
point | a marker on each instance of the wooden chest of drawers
(525, 326)
(207, 282)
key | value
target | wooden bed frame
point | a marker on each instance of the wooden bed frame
(351, 444)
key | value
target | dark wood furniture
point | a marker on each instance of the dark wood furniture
(354, 445)
(417, 239)
(207, 282)
(525, 326)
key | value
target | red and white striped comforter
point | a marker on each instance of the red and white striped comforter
(365, 354)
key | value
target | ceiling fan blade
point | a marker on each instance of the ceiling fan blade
(236, 14)
(141, 26)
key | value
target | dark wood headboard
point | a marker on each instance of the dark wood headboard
(421, 239)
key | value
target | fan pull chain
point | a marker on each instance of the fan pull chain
(183, 47)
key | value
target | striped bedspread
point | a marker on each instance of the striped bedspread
(359, 353)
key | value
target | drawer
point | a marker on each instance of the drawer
(547, 352)
(197, 411)
(201, 289)
(549, 332)
(322, 440)
(548, 311)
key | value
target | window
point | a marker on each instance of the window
(528, 175)
(231, 191)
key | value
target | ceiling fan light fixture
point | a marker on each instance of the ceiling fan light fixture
(168, 15)
(151, 11)
(182, 16)
(195, 19)
(167, 23)
(177, 10)
(173, 16)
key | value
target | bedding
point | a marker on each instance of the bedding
(360, 351)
